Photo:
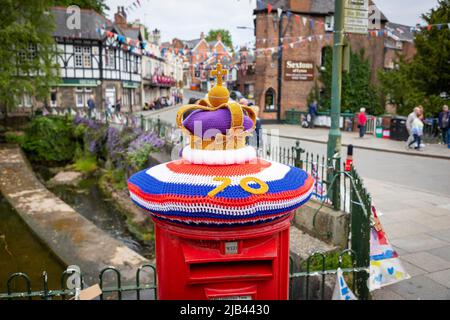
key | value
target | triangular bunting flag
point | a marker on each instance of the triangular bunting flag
(385, 266)
(269, 8)
(297, 17)
(304, 19)
(341, 290)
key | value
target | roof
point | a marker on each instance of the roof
(90, 21)
(400, 32)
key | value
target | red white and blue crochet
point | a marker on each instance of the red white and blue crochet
(181, 191)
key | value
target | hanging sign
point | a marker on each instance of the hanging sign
(356, 16)
(298, 71)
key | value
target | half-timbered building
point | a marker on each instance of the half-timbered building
(92, 64)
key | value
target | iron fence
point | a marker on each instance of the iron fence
(353, 199)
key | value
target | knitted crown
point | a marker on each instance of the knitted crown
(214, 123)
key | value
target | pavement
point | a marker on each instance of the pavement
(412, 191)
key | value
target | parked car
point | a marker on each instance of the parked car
(236, 95)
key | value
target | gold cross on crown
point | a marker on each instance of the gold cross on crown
(219, 73)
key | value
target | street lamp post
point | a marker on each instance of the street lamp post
(335, 138)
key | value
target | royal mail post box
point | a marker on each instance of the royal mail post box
(245, 263)
(221, 214)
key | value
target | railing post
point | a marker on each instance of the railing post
(158, 126)
(360, 233)
(298, 162)
(336, 189)
(142, 122)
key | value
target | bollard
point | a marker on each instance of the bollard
(349, 161)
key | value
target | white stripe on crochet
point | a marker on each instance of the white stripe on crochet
(221, 210)
(219, 157)
(276, 171)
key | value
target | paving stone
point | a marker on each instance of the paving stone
(441, 277)
(417, 243)
(427, 261)
(403, 229)
(433, 223)
(421, 288)
(386, 294)
(443, 253)
(412, 269)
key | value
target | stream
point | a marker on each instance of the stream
(88, 200)
(21, 251)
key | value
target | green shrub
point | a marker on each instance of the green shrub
(14, 137)
(87, 164)
(50, 140)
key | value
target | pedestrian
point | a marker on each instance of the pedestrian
(109, 109)
(258, 128)
(444, 124)
(118, 105)
(362, 121)
(312, 113)
(417, 131)
(409, 122)
(91, 106)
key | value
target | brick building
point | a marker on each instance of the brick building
(246, 77)
(200, 57)
(306, 29)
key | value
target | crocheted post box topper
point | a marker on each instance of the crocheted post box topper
(219, 181)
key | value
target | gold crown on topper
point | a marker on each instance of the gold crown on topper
(218, 98)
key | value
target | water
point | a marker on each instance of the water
(21, 251)
(88, 200)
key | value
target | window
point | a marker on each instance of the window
(270, 100)
(129, 96)
(78, 57)
(53, 98)
(125, 62)
(25, 101)
(87, 58)
(28, 55)
(82, 96)
(83, 57)
(110, 61)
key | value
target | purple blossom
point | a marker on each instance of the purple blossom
(145, 139)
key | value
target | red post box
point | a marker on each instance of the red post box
(245, 263)
(221, 214)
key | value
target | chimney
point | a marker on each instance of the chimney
(120, 17)
(219, 37)
(202, 35)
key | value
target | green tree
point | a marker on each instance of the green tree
(226, 37)
(357, 89)
(427, 76)
(97, 5)
(27, 51)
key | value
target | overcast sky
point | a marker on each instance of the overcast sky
(185, 19)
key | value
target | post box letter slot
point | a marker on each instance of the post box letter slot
(230, 270)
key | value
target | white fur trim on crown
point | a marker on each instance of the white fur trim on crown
(219, 157)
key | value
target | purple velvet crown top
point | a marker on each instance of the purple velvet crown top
(219, 120)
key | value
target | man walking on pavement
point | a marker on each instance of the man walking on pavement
(312, 111)
(409, 124)
(362, 121)
(444, 124)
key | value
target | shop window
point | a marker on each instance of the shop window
(270, 100)
(78, 56)
(82, 96)
(25, 101)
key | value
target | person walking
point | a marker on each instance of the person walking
(312, 114)
(118, 105)
(91, 106)
(417, 132)
(362, 121)
(409, 122)
(444, 124)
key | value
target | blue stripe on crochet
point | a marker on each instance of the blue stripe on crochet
(293, 180)
(207, 215)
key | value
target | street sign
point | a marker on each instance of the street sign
(356, 16)
(299, 71)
